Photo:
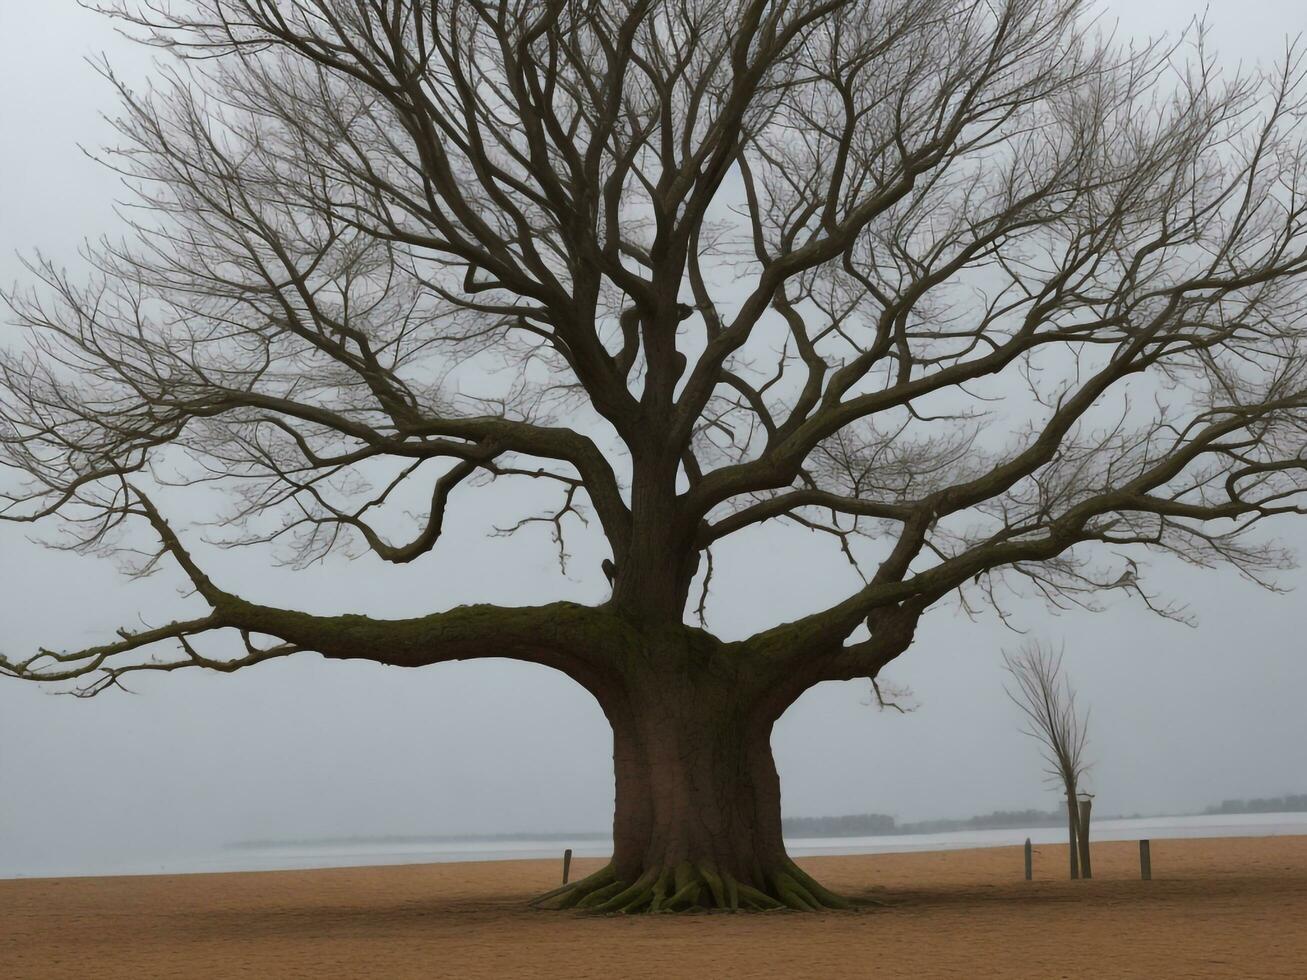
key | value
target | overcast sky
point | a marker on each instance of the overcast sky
(303, 748)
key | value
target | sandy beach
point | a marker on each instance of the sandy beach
(1232, 907)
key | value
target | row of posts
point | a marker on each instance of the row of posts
(1145, 859)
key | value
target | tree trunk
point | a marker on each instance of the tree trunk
(1086, 865)
(698, 808)
(1073, 832)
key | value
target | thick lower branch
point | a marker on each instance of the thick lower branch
(565, 636)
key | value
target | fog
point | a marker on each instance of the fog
(302, 748)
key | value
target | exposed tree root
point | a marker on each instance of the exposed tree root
(692, 887)
(811, 891)
(570, 894)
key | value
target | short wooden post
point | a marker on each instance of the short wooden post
(1086, 870)
(1145, 861)
(1029, 861)
(567, 864)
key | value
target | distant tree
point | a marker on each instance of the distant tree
(1294, 803)
(851, 825)
(962, 285)
(1048, 701)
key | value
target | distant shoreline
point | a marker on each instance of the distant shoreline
(589, 835)
(356, 852)
(853, 825)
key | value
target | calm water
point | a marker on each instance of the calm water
(275, 856)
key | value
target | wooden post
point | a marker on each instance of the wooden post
(1145, 861)
(1086, 869)
(1072, 835)
(567, 864)
(1029, 861)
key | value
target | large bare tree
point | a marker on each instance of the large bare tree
(966, 285)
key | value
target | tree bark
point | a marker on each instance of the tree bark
(1073, 832)
(1086, 865)
(697, 822)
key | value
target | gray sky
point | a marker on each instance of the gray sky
(303, 748)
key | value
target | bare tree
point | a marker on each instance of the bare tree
(1046, 698)
(963, 285)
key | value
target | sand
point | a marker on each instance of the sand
(1229, 907)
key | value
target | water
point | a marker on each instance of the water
(344, 854)
(1137, 828)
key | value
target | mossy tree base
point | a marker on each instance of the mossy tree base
(697, 817)
(692, 887)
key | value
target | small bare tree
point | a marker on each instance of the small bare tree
(1047, 699)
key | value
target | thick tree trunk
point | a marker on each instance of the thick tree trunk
(655, 571)
(698, 809)
(695, 782)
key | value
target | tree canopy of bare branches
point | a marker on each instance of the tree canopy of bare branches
(968, 286)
